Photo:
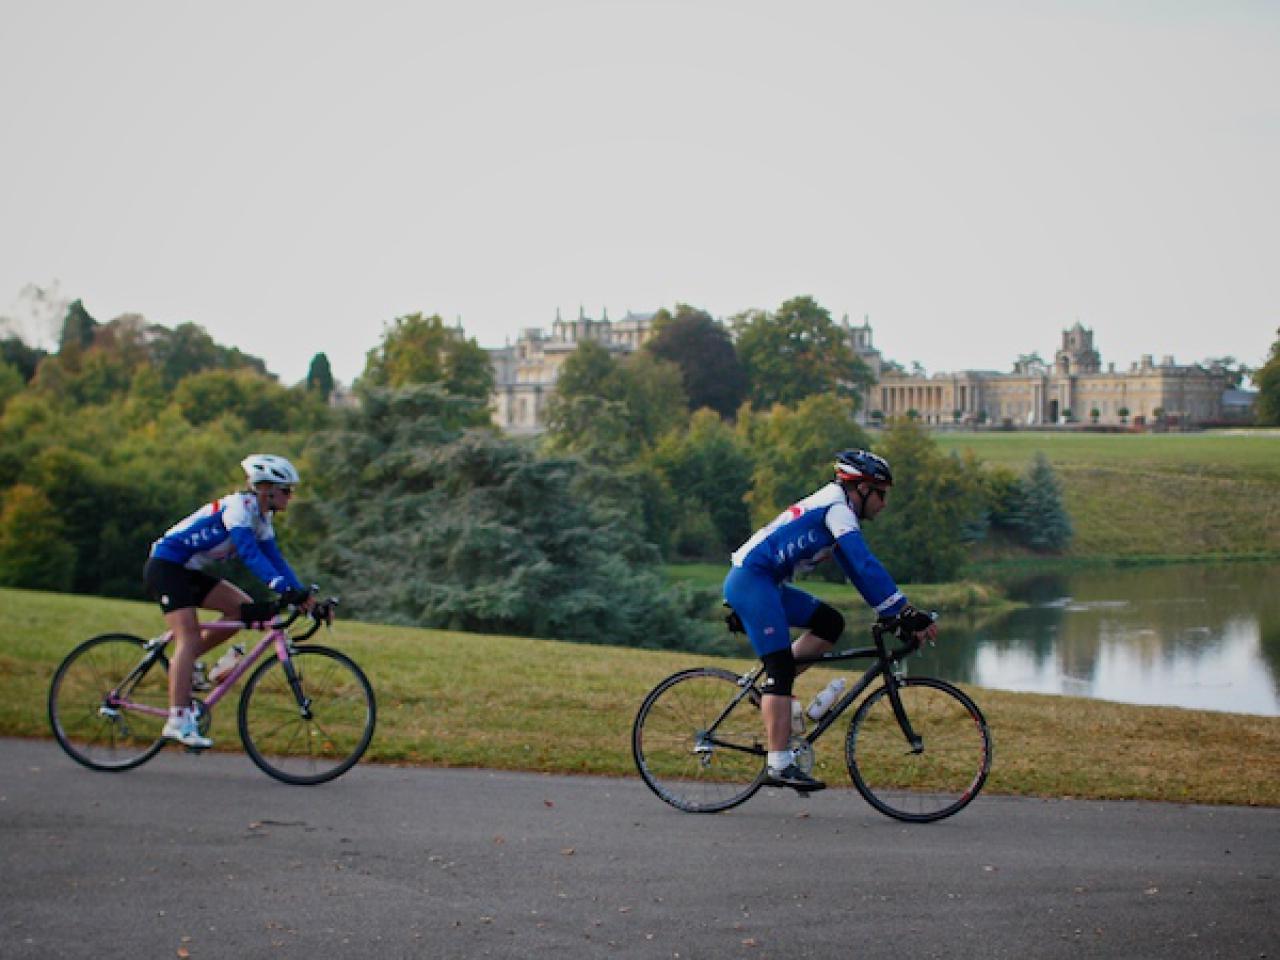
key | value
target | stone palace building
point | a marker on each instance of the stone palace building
(525, 373)
(1073, 388)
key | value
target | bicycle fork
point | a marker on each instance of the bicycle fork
(295, 682)
(895, 698)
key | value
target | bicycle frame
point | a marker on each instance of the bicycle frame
(886, 660)
(275, 634)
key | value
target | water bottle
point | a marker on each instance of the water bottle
(797, 718)
(227, 663)
(825, 698)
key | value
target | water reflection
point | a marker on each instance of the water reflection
(1194, 635)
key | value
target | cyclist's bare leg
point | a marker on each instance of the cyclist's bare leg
(225, 598)
(191, 641)
(808, 644)
(777, 720)
(185, 626)
(775, 710)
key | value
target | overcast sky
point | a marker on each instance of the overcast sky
(973, 176)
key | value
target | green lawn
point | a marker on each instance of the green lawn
(454, 699)
(1213, 494)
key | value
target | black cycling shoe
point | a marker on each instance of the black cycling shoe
(793, 777)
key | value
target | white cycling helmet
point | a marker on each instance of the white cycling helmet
(268, 468)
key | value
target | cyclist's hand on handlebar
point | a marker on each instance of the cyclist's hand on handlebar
(923, 627)
(322, 611)
(304, 599)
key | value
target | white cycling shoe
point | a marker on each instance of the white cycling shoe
(186, 731)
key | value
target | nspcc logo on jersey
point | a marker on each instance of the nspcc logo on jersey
(792, 547)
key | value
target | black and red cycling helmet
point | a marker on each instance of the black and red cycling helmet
(863, 465)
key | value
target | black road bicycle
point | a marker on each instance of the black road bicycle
(918, 749)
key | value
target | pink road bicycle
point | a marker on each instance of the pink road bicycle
(306, 713)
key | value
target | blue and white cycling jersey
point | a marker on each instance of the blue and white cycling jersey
(820, 526)
(232, 526)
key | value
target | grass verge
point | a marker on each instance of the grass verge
(454, 699)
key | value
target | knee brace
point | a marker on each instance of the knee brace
(827, 622)
(780, 672)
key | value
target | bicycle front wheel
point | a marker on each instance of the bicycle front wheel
(698, 741)
(938, 780)
(318, 738)
(97, 717)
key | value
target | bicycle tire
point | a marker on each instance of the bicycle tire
(939, 781)
(680, 761)
(94, 732)
(303, 750)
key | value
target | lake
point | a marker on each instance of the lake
(1205, 636)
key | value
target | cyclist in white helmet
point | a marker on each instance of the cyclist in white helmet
(238, 524)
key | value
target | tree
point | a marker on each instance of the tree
(652, 392)
(1234, 371)
(612, 411)
(259, 401)
(797, 352)
(320, 377)
(708, 469)
(1038, 517)
(11, 383)
(77, 329)
(583, 416)
(21, 357)
(703, 350)
(33, 551)
(424, 524)
(1267, 380)
(794, 450)
(188, 349)
(934, 502)
(421, 349)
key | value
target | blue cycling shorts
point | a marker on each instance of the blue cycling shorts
(768, 609)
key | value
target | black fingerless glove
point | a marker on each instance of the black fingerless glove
(913, 620)
(291, 598)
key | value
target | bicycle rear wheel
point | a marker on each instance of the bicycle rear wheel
(315, 741)
(939, 780)
(95, 716)
(695, 750)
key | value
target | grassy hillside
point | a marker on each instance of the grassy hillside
(1154, 495)
(455, 699)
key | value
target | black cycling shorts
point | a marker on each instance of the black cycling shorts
(176, 587)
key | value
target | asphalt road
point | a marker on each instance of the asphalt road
(204, 856)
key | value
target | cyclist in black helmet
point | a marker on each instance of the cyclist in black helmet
(826, 523)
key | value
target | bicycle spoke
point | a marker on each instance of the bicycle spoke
(303, 750)
(690, 751)
(94, 733)
(938, 780)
